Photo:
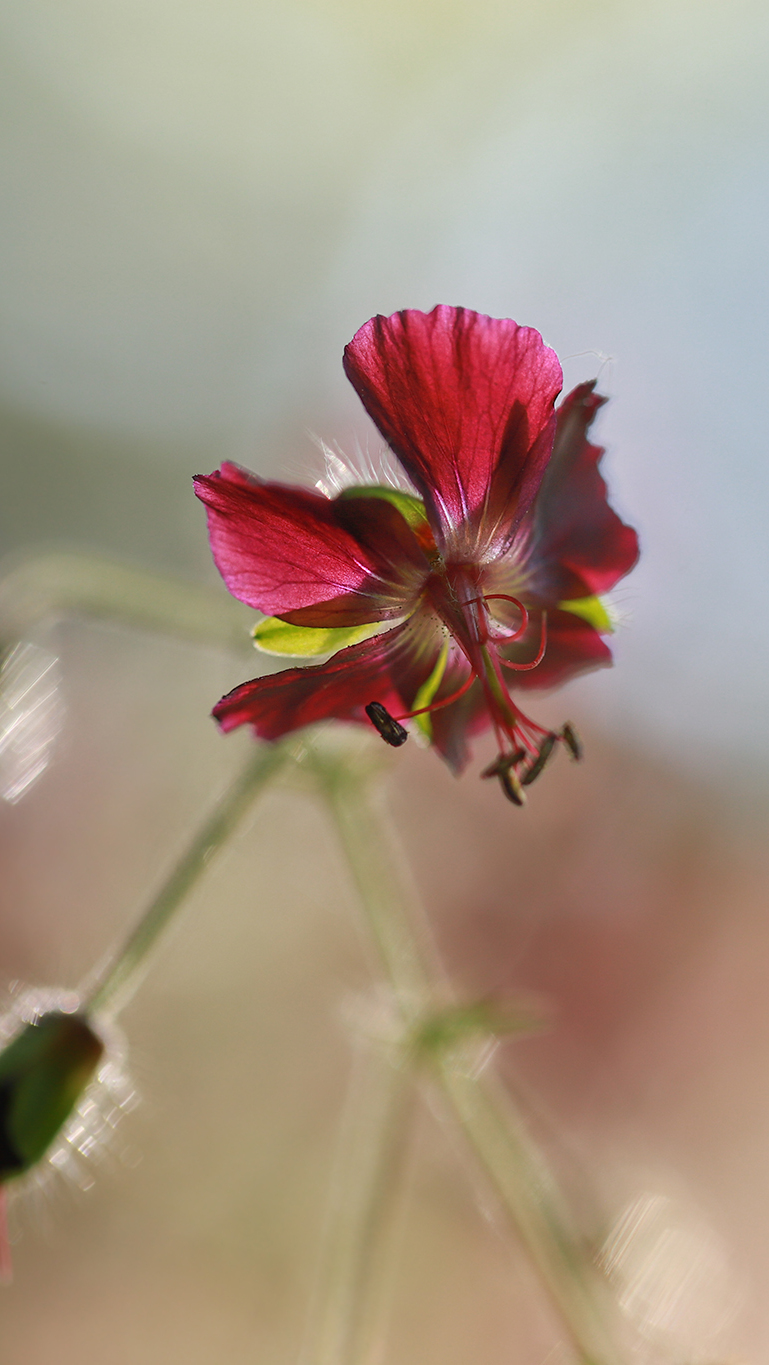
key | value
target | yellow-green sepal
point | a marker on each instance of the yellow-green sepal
(427, 691)
(591, 609)
(274, 636)
(411, 508)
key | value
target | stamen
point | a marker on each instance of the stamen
(512, 787)
(523, 668)
(388, 726)
(546, 749)
(503, 762)
(503, 768)
(572, 741)
(392, 733)
(505, 597)
(436, 705)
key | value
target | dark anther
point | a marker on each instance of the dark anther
(512, 787)
(503, 768)
(391, 731)
(503, 763)
(545, 750)
(572, 741)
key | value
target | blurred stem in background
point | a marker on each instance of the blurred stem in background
(46, 587)
(433, 1032)
(485, 1113)
(348, 1322)
(120, 979)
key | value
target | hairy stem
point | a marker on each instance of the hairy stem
(391, 909)
(485, 1113)
(49, 586)
(525, 1188)
(123, 975)
(363, 1215)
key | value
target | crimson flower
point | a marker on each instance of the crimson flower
(479, 576)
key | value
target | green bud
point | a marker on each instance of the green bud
(43, 1072)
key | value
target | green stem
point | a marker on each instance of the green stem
(527, 1191)
(357, 1262)
(49, 586)
(485, 1113)
(367, 841)
(122, 977)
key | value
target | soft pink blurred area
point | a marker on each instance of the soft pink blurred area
(202, 205)
(626, 902)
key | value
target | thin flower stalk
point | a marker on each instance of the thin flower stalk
(49, 587)
(347, 1327)
(526, 1190)
(485, 1113)
(120, 979)
(392, 911)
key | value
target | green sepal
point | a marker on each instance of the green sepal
(411, 508)
(43, 1072)
(592, 610)
(427, 692)
(273, 636)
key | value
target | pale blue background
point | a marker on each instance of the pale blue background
(202, 203)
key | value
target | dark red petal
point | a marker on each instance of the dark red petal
(573, 647)
(462, 399)
(387, 541)
(388, 668)
(285, 549)
(581, 544)
(514, 488)
(453, 725)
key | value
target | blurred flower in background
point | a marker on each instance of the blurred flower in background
(201, 204)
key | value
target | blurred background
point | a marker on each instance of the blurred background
(201, 203)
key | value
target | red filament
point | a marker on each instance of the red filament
(505, 597)
(436, 705)
(523, 668)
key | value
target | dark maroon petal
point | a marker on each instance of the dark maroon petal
(388, 668)
(462, 399)
(286, 549)
(573, 647)
(514, 488)
(453, 725)
(581, 546)
(387, 541)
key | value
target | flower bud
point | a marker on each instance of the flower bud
(43, 1072)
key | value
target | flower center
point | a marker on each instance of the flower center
(455, 592)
